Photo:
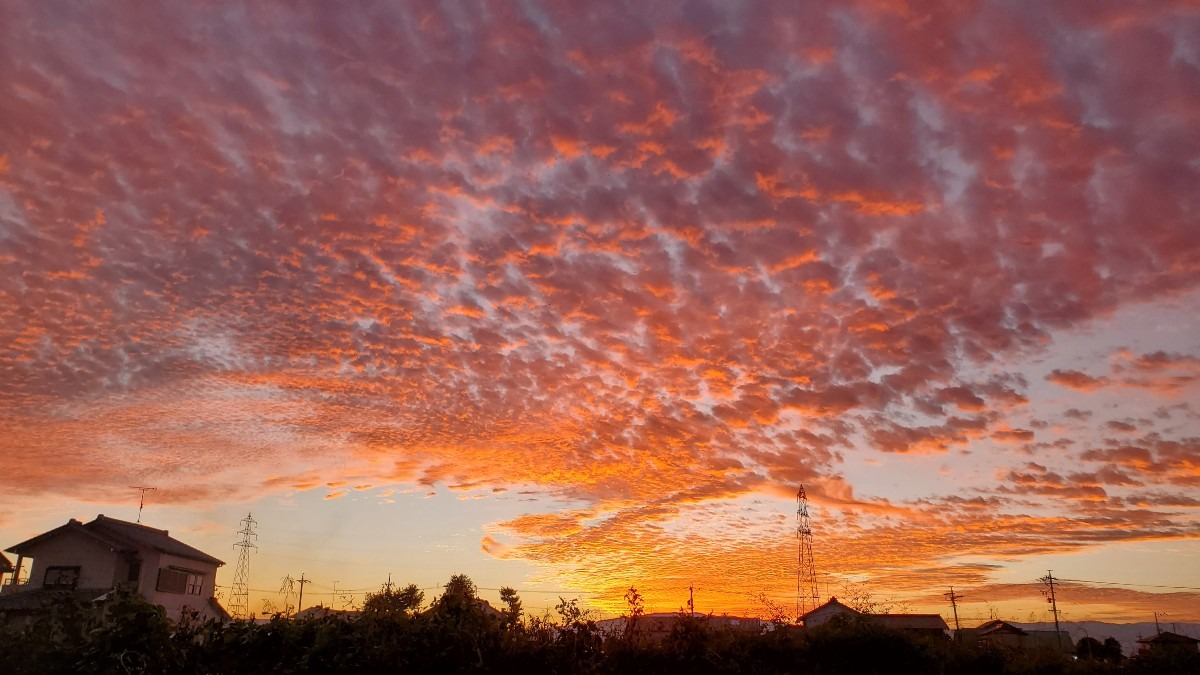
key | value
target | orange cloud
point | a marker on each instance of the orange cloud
(656, 266)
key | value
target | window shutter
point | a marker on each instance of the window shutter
(171, 581)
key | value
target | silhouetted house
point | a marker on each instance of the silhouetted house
(737, 623)
(1047, 639)
(932, 625)
(88, 560)
(320, 612)
(1001, 634)
(1167, 641)
(828, 612)
(657, 626)
(994, 633)
(5, 568)
(481, 604)
(487, 608)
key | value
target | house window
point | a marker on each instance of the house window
(175, 580)
(60, 577)
(171, 581)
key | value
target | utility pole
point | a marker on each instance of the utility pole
(954, 598)
(691, 600)
(1157, 630)
(142, 498)
(301, 581)
(239, 595)
(340, 599)
(1049, 581)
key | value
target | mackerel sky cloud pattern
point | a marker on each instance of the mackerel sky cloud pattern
(651, 260)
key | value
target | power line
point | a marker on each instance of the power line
(255, 590)
(527, 590)
(327, 561)
(307, 581)
(343, 590)
(1120, 583)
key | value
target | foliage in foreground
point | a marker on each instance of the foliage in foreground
(459, 634)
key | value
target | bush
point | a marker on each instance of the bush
(459, 634)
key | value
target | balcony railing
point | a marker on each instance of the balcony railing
(15, 586)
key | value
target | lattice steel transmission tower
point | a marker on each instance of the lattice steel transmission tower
(239, 597)
(807, 597)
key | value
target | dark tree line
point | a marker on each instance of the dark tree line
(458, 633)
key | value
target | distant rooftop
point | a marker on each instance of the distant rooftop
(1168, 638)
(911, 621)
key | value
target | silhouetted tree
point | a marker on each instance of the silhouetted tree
(636, 608)
(578, 637)
(459, 634)
(858, 596)
(1088, 648)
(512, 605)
(460, 587)
(689, 639)
(859, 645)
(772, 611)
(1112, 650)
(459, 627)
(392, 601)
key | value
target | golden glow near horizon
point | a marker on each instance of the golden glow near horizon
(572, 300)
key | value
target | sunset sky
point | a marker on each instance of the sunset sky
(574, 296)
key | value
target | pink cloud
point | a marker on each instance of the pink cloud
(1074, 379)
(644, 260)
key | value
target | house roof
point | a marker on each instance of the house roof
(833, 604)
(911, 621)
(1168, 638)
(219, 611)
(5, 565)
(120, 536)
(897, 621)
(998, 627)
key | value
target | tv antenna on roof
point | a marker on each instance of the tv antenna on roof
(142, 499)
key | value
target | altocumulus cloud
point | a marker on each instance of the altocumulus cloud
(650, 259)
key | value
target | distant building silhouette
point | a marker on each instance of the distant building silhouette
(920, 624)
(657, 626)
(1167, 641)
(997, 633)
(320, 611)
